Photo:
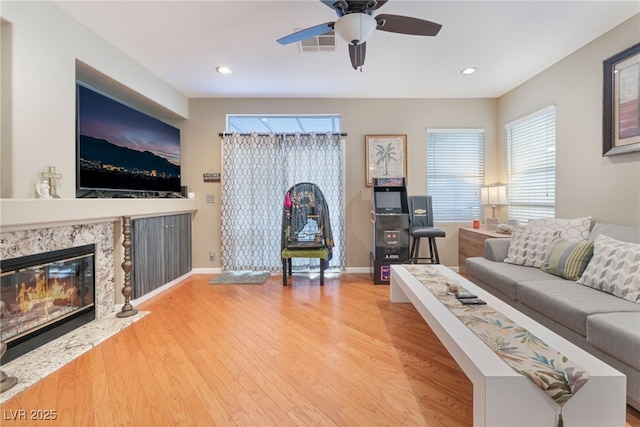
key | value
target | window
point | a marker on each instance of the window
(259, 166)
(531, 164)
(266, 123)
(455, 173)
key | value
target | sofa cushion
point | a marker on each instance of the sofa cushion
(529, 248)
(568, 303)
(503, 276)
(570, 229)
(568, 259)
(614, 268)
(496, 248)
(617, 335)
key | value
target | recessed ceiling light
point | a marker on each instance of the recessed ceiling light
(468, 71)
(224, 70)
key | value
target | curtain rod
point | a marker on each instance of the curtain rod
(276, 133)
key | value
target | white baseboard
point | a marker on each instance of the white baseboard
(368, 269)
(206, 271)
(219, 270)
(158, 290)
(354, 270)
(146, 297)
(358, 270)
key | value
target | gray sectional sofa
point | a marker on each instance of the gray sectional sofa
(601, 323)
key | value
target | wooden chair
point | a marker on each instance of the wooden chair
(289, 254)
(306, 229)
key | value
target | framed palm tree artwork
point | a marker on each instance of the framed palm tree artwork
(385, 157)
(621, 103)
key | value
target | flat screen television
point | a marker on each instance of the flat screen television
(122, 150)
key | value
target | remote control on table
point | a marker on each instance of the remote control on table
(473, 301)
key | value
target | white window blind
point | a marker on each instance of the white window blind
(531, 162)
(455, 173)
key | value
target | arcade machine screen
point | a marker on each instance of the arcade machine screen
(388, 202)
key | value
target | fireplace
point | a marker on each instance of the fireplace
(44, 296)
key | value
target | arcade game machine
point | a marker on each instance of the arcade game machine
(390, 218)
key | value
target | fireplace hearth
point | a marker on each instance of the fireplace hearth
(44, 296)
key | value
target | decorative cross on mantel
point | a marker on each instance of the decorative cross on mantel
(52, 176)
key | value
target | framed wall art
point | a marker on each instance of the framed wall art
(385, 157)
(621, 103)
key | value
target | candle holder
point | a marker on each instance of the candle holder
(127, 264)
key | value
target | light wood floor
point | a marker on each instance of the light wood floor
(263, 355)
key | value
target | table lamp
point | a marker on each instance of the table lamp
(493, 195)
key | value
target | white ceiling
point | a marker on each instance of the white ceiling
(509, 42)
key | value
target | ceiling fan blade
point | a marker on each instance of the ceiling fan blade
(329, 3)
(407, 25)
(340, 6)
(343, 7)
(357, 53)
(307, 33)
(379, 4)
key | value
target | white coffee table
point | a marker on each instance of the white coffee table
(501, 396)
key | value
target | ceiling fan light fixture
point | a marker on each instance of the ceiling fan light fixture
(355, 28)
(468, 71)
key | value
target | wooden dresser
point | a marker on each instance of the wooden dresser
(471, 244)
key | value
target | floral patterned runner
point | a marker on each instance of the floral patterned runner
(556, 375)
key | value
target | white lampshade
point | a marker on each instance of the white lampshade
(494, 195)
(355, 28)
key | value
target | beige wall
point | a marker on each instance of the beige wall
(45, 46)
(607, 188)
(39, 91)
(207, 118)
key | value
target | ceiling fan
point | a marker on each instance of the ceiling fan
(356, 23)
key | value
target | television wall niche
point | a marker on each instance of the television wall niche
(122, 151)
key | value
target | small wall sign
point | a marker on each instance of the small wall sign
(211, 177)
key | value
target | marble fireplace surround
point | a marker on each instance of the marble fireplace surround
(34, 226)
(31, 242)
(31, 226)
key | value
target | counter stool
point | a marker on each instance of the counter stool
(421, 225)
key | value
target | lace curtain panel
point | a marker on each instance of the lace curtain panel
(258, 169)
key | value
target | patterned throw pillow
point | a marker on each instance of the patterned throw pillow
(528, 248)
(614, 268)
(568, 259)
(570, 229)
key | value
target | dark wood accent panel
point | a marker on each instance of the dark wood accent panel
(161, 251)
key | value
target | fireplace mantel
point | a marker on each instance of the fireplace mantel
(24, 214)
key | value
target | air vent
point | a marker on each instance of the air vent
(322, 43)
